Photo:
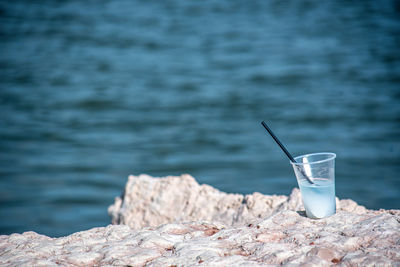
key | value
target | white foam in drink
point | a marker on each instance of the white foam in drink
(318, 198)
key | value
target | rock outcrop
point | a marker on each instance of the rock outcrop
(149, 201)
(179, 235)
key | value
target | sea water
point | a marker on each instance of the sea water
(318, 198)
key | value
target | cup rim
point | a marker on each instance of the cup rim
(331, 157)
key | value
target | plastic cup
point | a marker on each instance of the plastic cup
(318, 197)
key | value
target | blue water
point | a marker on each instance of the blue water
(92, 91)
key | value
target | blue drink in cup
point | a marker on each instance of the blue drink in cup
(315, 175)
(318, 195)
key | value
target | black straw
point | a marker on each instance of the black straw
(278, 142)
(286, 152)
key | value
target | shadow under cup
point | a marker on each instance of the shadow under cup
(319, 196)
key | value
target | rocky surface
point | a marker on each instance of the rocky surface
(354, 236)
(148, 201)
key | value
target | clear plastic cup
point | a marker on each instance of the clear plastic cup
(318, 197)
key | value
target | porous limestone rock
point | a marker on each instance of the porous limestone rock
(149, 201)
(285, 238)
(354, 236)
